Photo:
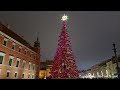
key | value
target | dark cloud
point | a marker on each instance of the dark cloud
(92, 32)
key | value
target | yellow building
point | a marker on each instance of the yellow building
(45, 69)
(105, 69)
(111, 68)
(42, 74)
(48, 67)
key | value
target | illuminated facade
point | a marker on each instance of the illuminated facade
(111, 68)
(45, 69)
(42, 72)
(18, 59)
(105, 69)
(48, 67)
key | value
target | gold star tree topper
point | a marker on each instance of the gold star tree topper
(64, 18)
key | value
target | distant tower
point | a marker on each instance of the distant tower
(37, 43)
(114, 49)
(37, 49)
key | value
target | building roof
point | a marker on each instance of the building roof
(46, 64)
(15, 36)
(43, 66)
(49, 62)
(43, 63)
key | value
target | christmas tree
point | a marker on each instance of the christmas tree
(64, 63)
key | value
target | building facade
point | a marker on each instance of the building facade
(105, 69)
(45, 69)
(18, 59)
(42, 72)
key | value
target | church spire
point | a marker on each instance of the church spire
(37, 43)
(37, 37)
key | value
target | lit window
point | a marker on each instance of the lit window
(8, 73)
(23, 75)
(5, 41)
(28, 75)
(10, 60)
(23, 64)
(15, 74)
(1, 57)
(18, 61)
(29, 66)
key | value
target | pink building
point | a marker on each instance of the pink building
(18, 59)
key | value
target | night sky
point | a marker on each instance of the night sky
(92, 33)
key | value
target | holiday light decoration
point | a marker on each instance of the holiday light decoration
(92, 75)
(64, 18)
(97, 74)
(101, 73)
(64, 63)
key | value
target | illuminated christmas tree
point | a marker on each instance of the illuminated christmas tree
(64, 65)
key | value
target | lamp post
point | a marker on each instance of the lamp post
(117, 68)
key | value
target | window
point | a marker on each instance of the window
(15, 74)
(8, 73)
(5, 42)
(29, 66)
(10, 60)
(23, 64)
(1, 57)
(19, 49)
(0, 71)
(32, 75)
(25, 52)
(23, 75)
(33, 66)
(28, 75)
(18, 61)
(13, 46)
